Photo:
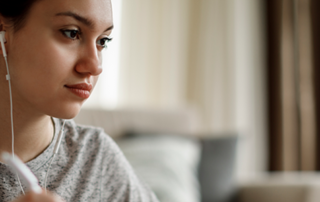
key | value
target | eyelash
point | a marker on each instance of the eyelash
(72, 33)
(106, 40)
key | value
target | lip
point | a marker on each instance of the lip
(82, 90)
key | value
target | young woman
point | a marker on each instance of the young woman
(54, 58)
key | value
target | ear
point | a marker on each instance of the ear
(2, 23)
(2, 35)
(3, 51)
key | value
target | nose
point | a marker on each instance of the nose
(89, 62)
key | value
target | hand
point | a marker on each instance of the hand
(43, 197)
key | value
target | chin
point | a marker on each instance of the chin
(68, 112)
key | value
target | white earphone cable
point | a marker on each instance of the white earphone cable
(45, 179)
(55, 151)
(61, 133)
(11, 107)
(11, 116)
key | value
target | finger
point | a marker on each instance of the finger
(34, 197)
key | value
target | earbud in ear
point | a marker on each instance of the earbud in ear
(2, 41)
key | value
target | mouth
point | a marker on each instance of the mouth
(82, 90)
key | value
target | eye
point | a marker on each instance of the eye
(103, 42)
(72, 34)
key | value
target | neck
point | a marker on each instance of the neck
(33, 132)
(30, 138)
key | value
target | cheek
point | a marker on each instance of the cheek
(43, 60)
(94, 80)
(55, 61)
(40, 68)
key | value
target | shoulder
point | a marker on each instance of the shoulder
(90, 149)
(85, 145)
(89, 139)
(94, 152)
(79, 132)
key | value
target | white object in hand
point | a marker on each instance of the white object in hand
(27, 177)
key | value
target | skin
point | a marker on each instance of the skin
(43, 59)
(39, 198)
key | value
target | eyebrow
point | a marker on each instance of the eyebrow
(81, 19)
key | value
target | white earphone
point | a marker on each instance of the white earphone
(61, 133)
(4, 53)
(2, 41)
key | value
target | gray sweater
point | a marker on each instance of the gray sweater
(88, 167)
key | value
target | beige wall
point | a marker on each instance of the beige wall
(208, 54)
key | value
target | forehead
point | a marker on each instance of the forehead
(97, 11)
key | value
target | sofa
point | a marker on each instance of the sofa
(167, 152)
(281, 186)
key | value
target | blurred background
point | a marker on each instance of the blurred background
(246, 68)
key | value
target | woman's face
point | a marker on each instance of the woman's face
(55, 59)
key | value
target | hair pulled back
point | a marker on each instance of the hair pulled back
(16, 11)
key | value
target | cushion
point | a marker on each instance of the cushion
(217, 169)
(117, 122)
(168, 163)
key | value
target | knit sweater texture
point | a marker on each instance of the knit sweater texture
(89, 166)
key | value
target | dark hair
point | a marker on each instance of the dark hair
(16, 11)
